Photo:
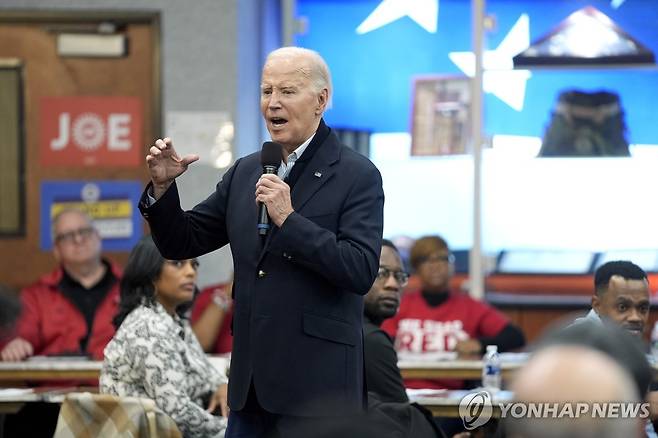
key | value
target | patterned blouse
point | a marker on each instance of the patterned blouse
(157, 356)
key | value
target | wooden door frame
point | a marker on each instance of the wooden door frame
(64, 17)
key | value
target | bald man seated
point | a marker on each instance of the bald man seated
(576, 374)
(563, 368)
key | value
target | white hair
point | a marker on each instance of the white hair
(319, 73)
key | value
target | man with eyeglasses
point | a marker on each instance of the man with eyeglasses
(387, 395)
(69, 311)
(380, 303)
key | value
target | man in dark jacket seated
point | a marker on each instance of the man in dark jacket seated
(386, 393)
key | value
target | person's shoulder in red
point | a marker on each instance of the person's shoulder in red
(50, 281)
(462, 298)
(485, 320)
(204, 298)
(37, 320)
(47, 281)
(219, 341)
(488, 320)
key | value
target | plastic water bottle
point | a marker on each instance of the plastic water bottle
(654, 342)
(491, 374)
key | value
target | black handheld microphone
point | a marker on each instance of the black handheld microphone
(270, 158)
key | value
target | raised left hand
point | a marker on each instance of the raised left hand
(219, 398)
(275, 194)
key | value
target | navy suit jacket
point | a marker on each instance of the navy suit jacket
(297, 322)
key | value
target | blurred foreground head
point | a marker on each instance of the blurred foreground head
(586, 364)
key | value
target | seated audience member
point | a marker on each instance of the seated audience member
(387, 396)
(621, 296)
(9, 310)
(211, 317)
(154, 353)
(625, 348)
(565, 368)
(435, 319)
(380, 303)
(70, 310)
(574, 374)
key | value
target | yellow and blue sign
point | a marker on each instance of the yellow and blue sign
(111, 204)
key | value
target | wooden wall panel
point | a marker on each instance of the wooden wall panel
(33, 41)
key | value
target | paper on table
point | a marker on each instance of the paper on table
(415, 393)
(13, 392)
(514, 357)
(499, 395)
(59, 358)
(437, 356)
(220, 363)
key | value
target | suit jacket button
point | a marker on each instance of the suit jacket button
(261, 274)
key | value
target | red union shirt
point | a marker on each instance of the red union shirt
(224, 342)
(422, 331)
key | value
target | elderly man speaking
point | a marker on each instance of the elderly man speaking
(297, 354)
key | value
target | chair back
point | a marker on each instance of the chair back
(87, 415)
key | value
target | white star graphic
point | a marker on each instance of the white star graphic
(499, 77)
(423, 12)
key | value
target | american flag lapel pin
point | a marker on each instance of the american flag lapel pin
(317, 174)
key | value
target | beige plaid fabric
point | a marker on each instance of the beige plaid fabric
(87, 415)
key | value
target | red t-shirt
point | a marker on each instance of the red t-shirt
(224, 342)
(419, 329)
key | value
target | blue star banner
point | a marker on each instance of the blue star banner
(375, 49)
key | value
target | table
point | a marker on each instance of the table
(13, 399)
(450, 366)
(59, 369)
(12, 402)
(445, 403)
(469, 369)
(49, 369)
(53, 369)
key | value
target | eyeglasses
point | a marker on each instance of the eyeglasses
(400, 276)
(70, 236)
(179, 264)
(443, 258)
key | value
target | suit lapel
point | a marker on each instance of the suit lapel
(318, 171)
(316, 174)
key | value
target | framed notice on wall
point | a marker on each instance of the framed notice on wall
(441, 115)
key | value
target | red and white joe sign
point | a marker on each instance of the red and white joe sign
(91, 131)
